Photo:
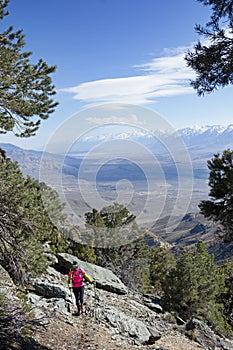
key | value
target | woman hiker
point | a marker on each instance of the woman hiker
(76, 277)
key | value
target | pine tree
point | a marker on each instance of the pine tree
(226, 296)
(161, 263)
(24, 224)
(120, 244)
(192, 288)
(94, 218)
(112, 226)
(213, 62)
(116, 215)
(26, 88)
(220, 206)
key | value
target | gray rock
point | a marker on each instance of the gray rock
(51, 258)
(225, 345)
(155, 335)
(50, 290)
(180, 321)
(202, 334)
(60, 307)
(104, 278)
(126, 325)
(33, 298)
(53, 273)
(153, 298)
(155, 307)
(40, 315)
(152, 302)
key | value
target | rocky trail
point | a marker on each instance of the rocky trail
(116, 318)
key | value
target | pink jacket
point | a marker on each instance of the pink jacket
(77, 278)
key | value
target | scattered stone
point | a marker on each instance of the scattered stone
(155, 335)
(201, 333)
(155, 307)
(126, 325)
(114, 320)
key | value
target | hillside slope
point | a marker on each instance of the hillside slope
(115, 319)
(192, 228)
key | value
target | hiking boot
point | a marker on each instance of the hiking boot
(76, 313)
(83, 309)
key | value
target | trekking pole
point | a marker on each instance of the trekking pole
(95, 298)
(71, 300)
(71, 295)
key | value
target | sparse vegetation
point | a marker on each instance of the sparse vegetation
(16, 320)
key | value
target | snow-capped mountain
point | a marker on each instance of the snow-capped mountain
(216, 137)
(201, 143)
(217, 129)
(119, 164)
(126, 135)
(213, 130)
(208, 135)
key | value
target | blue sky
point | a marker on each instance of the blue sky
(118, 51)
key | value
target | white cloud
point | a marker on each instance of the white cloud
(132, 119)
(163, 76)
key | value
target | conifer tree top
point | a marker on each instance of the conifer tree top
(26, 89)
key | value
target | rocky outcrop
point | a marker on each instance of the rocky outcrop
(127, 316)
(201, 333)
(50, 290)
(104, 278)
(129, 326)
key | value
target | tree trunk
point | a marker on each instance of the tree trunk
(18, 276)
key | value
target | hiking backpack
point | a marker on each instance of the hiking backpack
(77, 276)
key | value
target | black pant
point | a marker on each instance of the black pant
(79, 295)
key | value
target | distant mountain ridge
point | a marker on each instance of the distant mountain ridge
(201, 143)
(30, 160)
(217, 129)
(214, 130)
(217, 136)
(192, 136)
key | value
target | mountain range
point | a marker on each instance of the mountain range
(128, 167)
(200, 143)
(190, 132)
(200, 137)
